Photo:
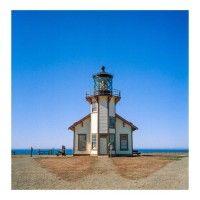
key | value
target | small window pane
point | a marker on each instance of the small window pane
(94, 107)
(82, 142)
(111, 122)
(94, 141)
(112, 140)
(123, 142)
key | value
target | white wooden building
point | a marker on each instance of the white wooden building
(103, 131)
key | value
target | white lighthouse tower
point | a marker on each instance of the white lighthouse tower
(103, 101)
(103, 131)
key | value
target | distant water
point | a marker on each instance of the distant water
(70, 151)
(163, 150)
(40, 151)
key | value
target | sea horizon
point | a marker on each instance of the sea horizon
(69, 151)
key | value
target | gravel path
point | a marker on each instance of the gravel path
(172, 176)
(27, 174)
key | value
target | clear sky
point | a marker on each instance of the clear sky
(55, 53)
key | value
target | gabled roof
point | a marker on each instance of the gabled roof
(127, 122)
(118, 116)
(78, 122)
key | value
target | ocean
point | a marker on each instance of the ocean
(39, 151)
(70, 151)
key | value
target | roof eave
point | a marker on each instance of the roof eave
(133, 127)
(72, 127)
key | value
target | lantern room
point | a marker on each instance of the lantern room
(102, 83)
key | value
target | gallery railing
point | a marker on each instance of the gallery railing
(114, 92)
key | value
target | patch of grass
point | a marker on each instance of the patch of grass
(176, 158)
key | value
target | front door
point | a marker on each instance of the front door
(103, 145)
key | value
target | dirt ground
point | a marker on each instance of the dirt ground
(71, 168)
(76, 167)
(139, 167)
(84, 172)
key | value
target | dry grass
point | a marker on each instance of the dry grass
(68, 168)
(142, 166)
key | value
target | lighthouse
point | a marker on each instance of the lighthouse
(103, 131)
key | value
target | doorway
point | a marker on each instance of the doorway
(103, 149)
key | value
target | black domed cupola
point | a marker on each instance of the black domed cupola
(102, 82)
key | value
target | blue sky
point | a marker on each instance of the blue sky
(55, 53)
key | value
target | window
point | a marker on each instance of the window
(82, 142)
(124, 142)
(94, 141)
(102, 83)
(94, 107)
(112, 140)
(111, 122)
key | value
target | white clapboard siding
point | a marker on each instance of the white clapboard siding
(112, 112)
(94, 122)
(123, 130)
(112, 107)
(85, 129)
(103, 114)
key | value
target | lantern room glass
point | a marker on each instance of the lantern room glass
(102, 85)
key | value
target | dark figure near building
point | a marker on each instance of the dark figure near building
(62, 151)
